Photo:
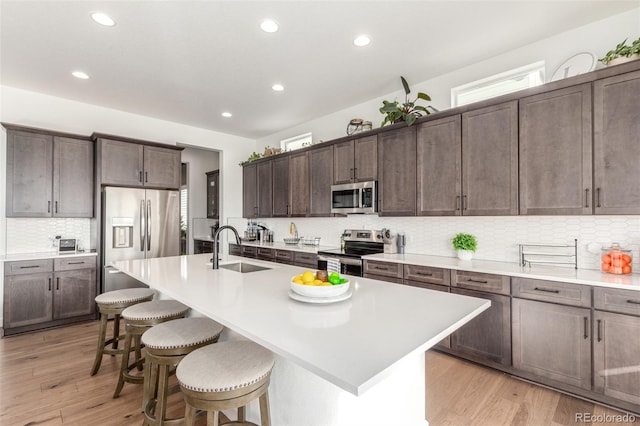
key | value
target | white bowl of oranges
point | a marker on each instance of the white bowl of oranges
(319, 284)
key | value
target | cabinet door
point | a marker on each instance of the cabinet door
(616, 346)
(299, 184)
(490, 161)
(320, 178)
(72, 177)
(555, 152)
(397, 172)
(27, 299)
(281, 203)
(213, 183)
(343, 162)
(552, 341)
(366, 158)
(617, 144)
(250, 190)
(162, 167)
(29, 174)
(439, 167)
(121, 163)
(488, 336)
(74, 293)
(265, 189)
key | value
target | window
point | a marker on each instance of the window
(507, 82)
(296, 142)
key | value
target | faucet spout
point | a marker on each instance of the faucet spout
(215, 260)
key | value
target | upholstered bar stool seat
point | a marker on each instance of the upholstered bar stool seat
(225, 376)
(138, 319)
(166, 345)
(113, 303)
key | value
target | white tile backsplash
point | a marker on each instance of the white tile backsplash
(31, 235)
(498, 236)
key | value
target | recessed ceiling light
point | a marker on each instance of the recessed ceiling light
(103, 19)
(269, 26)
(362, 40)
(80, 74)
(226, 114)
(278, 87)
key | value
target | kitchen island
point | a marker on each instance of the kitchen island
(355, 362)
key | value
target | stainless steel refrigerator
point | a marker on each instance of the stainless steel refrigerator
(137, 224)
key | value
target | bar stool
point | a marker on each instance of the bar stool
(166, 345)
(113, 303)
(224, 376)
(138, 319)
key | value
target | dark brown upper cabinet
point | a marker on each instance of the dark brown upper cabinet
(299, 184)
(616, 145)
(556, 152)
(320, 177)
(250, 190)
(397, 172)
(265, 189)
(356, 160)
(281, 206)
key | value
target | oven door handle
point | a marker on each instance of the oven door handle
(343, 260)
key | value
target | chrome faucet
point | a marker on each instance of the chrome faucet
(215, 259)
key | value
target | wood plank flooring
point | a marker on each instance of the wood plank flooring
(44, 380)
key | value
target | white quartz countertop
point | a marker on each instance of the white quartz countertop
(569, 275)
(354, 344)
(42, 255)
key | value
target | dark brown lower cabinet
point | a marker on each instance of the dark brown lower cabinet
(552, 341)
(487, 337)
(616, 356)
(27, 300)
(202, 246)
(74, 293)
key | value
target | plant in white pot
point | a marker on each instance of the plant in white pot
(622, 53)
(465, 245)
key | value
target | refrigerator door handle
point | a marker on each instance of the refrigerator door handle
(142, 225)
(149, 225)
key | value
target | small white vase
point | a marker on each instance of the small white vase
(623, 59)
(465, 254)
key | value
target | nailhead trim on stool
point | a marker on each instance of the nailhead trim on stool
(224, 376)
(138, 319)
(166, 345)
(113, 303)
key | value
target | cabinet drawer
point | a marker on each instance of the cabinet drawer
(616, 300)
(235, 250)
(427, 274)
(249, 251)
(28, 267)
(266, 253)
(482, 282)
(552, 291)
(395, 280)
(428, 286)
(385, 269)
(75, 263)
(305, 259)
(284, 256)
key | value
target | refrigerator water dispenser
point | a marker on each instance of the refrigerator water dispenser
(122, 232)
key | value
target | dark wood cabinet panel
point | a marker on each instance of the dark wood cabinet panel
(74, 293)
(555, 152)
(203, 246)
(320, 178)
(343, 162)
(299, 184)
(281, 202)
(122, 163)
(386, 269)
(616, 345)
(490, 161)
(265, 189)
(73, 161)
(29, 174)
(552, 341)
(439, 164)
(213, 194)
(356, 161)
(397, 172)
(250, 191)
(27, 299)
(617, 144)
(487, 337)
(161, 167)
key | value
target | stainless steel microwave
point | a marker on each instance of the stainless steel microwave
(359, 197)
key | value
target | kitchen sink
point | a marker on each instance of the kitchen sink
(243, 267)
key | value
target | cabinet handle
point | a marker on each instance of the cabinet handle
(49, 284)
(464, 202)
(75, 263)
(457, 202)
(597, 197)
(599, 330)
(57, 283)
(586, 197)
(633, 302)
(355, 173)
(586, 327)
(477, 281)
(547, 290)
(146, 177)
(48, 206)
(56, 207)
(140, 175)
(29, 267)
(381, 268)
(424, 274)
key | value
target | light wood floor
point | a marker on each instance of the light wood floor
(44, 380)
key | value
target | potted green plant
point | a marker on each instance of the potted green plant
(253, 157)
(465, 245)
(408, 111)
(622, 53)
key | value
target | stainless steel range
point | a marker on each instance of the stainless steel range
(357, 243)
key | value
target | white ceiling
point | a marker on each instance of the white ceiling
(187, 61)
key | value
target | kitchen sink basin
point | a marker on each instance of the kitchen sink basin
(243, 267)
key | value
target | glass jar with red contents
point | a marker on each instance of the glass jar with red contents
(616, 260)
